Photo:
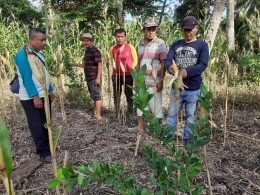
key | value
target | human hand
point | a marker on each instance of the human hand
(37, 102)
(97, 81)
(173, 69)
(160, 86)
(52, 97)
(184, 73)
(74, 64)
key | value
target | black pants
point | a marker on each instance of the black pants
(36, 119)
(118, 81)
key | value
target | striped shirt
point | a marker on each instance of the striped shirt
(91, 59)
(151, 55)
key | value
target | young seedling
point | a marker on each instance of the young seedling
(185, 161)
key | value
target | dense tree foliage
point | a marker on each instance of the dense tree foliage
(92, 9)
(22, 10)
(197, 8)
(252, 9)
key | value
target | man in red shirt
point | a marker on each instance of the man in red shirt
(125, 58)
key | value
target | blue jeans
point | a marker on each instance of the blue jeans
(189, 100)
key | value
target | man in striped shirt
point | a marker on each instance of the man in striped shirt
(152, 53)
(93, 70)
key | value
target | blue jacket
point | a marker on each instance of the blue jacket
(193, 57)
(25, 74)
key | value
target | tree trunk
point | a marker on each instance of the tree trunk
(161, 15)
(46, 16)
(257, 32)
(215, 21)
(118, 13)
(230, 29)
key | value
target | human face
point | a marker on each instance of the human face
(149, 32)
(190, 34)
(87, 43)
(120, 38)
(38, 41)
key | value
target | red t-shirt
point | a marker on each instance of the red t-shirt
(125, 57)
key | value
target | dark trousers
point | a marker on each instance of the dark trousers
(36, 119)
(118, 81)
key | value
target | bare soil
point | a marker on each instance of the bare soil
(114, 144)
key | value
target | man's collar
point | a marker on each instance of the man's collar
(143, 41)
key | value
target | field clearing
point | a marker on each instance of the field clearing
(114, 144)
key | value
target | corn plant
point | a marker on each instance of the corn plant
(5, 158)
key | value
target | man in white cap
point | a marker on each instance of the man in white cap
(93, 71)
(191, 57)
(152, 52)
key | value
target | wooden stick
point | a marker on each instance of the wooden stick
(207, 169)
(66, 159)
(137, 143)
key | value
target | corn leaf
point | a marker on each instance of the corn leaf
(57, 136)
(6, 147)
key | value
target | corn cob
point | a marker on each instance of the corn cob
(174, 66)
(60, 69)
(59, 55)
(113, 63)
(107, 60)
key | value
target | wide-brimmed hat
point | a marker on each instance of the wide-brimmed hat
(86, 36)
(149, 23)
(189, 23)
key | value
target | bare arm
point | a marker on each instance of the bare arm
(77, 65)
(99, 73)
(137, 66)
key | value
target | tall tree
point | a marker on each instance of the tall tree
(214, 21)
(244, 28)
(162, 13)
(230, 29)
(252, 7)
(118, 12)
(197, 8)
(23, 10)
(92, 9)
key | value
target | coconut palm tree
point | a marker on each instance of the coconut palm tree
(214, 21)
(244, 32)
(230, 30)
(252, 8)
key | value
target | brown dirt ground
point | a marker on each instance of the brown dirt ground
(115, 145)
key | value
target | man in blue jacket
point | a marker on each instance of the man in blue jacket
(31, 92)
(191, 57)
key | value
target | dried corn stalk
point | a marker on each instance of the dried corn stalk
(154, 75)
(39, 73)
